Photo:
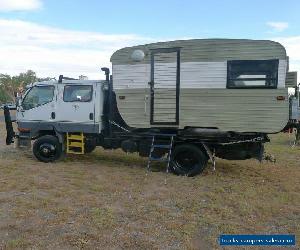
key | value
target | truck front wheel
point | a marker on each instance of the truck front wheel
(47, 148)
(188, 160)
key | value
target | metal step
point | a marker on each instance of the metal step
(70, 151)
(75, 137)
(162, 159)
(166, 146)
(75, 143)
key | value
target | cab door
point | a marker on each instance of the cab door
(76, 103)
(39, 104)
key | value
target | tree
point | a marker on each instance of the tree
(10, 85)
(6, 84)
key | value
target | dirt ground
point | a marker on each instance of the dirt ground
(106, 200)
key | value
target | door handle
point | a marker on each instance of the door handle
(146, 100)
(53, 115)
(75, 106)
(91, 116)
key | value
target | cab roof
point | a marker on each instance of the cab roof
(81, 82)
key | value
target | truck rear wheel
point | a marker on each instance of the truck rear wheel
(90, 145)
(89, 148)
(188, 160)
(47, 148)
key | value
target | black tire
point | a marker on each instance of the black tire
(89, 148)
(47, 148)
(188, 160)
(89, 145)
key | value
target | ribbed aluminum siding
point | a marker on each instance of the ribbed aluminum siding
(291, 79)
(208, 50)
(164, 87)
(192, 75)
(254, 110)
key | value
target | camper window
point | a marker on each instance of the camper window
(37, 96)
(78, 93)
(252, 74)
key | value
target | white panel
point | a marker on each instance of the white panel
(192, 75)
(131, 76)
(203, 75)
(282, 67)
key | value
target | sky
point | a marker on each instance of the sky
(76, 37)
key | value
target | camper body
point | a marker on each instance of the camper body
(228, 84)
(190, 100)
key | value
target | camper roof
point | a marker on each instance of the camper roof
(208, 50)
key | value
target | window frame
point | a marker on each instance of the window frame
(38, 86)
(79, 85)
(229, 86)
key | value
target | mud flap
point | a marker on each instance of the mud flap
(261, 154)
(10, 134)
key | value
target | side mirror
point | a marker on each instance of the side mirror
(18, 101)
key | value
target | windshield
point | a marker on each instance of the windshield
(37, 96)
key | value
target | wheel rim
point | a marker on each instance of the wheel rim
(47, 150)
(185, 161)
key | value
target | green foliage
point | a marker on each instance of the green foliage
(3, 96)
(9, 85)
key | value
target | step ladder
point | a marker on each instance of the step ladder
(75, 143)
(162, 146)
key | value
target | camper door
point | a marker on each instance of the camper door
(164, 86)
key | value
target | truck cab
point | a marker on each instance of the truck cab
(60, 116)
(66, 106)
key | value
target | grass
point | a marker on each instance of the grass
(107, 200)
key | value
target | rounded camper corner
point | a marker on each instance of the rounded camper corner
(279, 45)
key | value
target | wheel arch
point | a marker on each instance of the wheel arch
(50, 131)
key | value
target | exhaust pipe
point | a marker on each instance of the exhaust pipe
(106, 71)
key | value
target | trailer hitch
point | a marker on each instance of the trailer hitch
(10, 133)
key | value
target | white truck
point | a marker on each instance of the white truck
(160, 109)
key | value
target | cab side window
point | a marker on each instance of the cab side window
(78, 93)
